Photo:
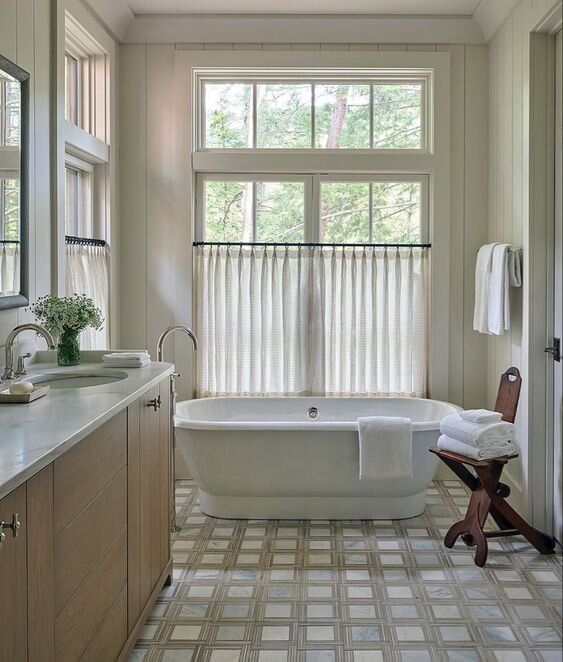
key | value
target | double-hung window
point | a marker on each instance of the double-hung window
(86, 173)
(312, 229)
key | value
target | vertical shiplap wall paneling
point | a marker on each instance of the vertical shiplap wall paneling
(145, 167)
(475, 190)
(160, 193)
(41, 248)
(514, 218)
(25, 39)
(133, 228)
(457, 187)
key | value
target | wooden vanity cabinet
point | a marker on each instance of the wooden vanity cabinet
(13, 579)
(93, 549)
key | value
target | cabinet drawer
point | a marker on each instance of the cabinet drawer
(79, 621)
(83, 472)
(84, 541)
(109, 639)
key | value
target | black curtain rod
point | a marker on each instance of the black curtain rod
(9, 241)
(305, 244)
(85, 241)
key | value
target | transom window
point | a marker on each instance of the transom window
(363, 112)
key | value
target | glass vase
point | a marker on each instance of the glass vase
(68, 348)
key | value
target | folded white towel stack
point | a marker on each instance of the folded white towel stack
(385, 447)
(478, 433)
(455, 446)
(480, 415)
(126, 359)
(497, 269)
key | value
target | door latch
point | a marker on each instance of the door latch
(555, 349)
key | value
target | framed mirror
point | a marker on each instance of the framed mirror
(14, 188)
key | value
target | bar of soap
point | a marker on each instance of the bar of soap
(19, 388)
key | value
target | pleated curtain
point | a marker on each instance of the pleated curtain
(9, 269)
(311, 320)
(87, 272)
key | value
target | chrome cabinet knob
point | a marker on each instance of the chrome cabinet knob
(15, 525)
(155, 403)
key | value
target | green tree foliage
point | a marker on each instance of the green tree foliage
(350, 211)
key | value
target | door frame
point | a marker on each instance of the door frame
(541, 223)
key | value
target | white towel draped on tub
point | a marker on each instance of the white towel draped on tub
(385, 447)
(497, 269)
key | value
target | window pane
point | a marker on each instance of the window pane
(344, 212)
(228, 211)
(9, 210)
(71, 88)
(342, 116)
(397, 116)
(280, 211)
(396, 212)
(9, 111)
(228, 115)
(283, 115)
(78, 202)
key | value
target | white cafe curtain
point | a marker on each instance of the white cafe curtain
(87, 272)
(312, 320)
(9, 269)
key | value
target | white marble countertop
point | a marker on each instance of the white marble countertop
(33, 435)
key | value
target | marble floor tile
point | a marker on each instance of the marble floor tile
(354, 591)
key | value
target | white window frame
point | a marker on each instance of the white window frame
(79, 32)
(434, 163)
(336, 76)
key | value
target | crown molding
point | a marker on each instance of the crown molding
(115, 15)
(397, 29)
(491, 14)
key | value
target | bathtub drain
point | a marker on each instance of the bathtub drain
(313, 413)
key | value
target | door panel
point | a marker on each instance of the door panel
(13, 579)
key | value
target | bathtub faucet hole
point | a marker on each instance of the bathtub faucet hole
(313, 413)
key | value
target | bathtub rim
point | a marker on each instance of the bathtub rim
(349, 426)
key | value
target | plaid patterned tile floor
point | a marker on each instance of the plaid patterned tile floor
(351, 591)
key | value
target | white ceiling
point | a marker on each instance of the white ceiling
(162, 7)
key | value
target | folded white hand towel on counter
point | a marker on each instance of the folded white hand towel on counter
(385, 447)
(126, 359)
(486, 453)
(476, 434)
(480, 415)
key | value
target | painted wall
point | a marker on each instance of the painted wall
(155, 256)
(510, 220)
(25, 39)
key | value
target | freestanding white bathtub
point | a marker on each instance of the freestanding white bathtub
(268, 458)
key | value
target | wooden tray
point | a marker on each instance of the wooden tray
(23, 398)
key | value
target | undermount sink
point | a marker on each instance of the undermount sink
(78, 379)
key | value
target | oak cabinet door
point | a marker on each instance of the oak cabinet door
(13, 578)
(148, 453)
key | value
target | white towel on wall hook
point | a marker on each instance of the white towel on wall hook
(498, 268)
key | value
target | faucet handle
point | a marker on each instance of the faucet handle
(21, 369)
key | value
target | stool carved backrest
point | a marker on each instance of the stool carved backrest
(509, 394)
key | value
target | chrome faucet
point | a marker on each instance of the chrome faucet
(167, 332)
(174, 527)
(9, 362)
